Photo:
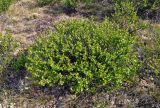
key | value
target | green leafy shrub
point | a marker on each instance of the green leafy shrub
(146, 4)
(148, 43)
(18, 63)
(4, 5)
(70, 3)
(144, 8)
(7, 47)
(143, 4)
(125, 15)
(147, 8)
(83, 56)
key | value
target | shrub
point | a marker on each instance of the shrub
(7, 47)
(148, 44)
(147, 8)
(125, 15)
(143, 4)
(146, 4)
(4, 5)
(18, 63)
(70, 3)
(144, 8)
(83, 56)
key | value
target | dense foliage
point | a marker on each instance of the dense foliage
(83, 56)
(125, 15)
(4, 5)
(7, 47)
(69, 3)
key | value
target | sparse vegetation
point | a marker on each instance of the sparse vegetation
(45, 2)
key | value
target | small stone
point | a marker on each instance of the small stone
(11, 105)
(26, 88)
(35, 15)
(1, 106)
(60, 98)
(144, 83)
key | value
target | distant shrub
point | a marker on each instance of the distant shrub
(18, 63)
(4, 5)
(7, 47)
(125, 15)
(70, 3)
(146, 4)
(148, 45)
(83, 56)
(143, 4)
(144, 8)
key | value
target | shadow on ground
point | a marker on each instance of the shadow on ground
(98, 10)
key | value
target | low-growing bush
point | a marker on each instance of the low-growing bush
(125, 15)
(83, 56)
(70, 3)
(4, 5)
(7, 47)
(143, 4)
(144, 8)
